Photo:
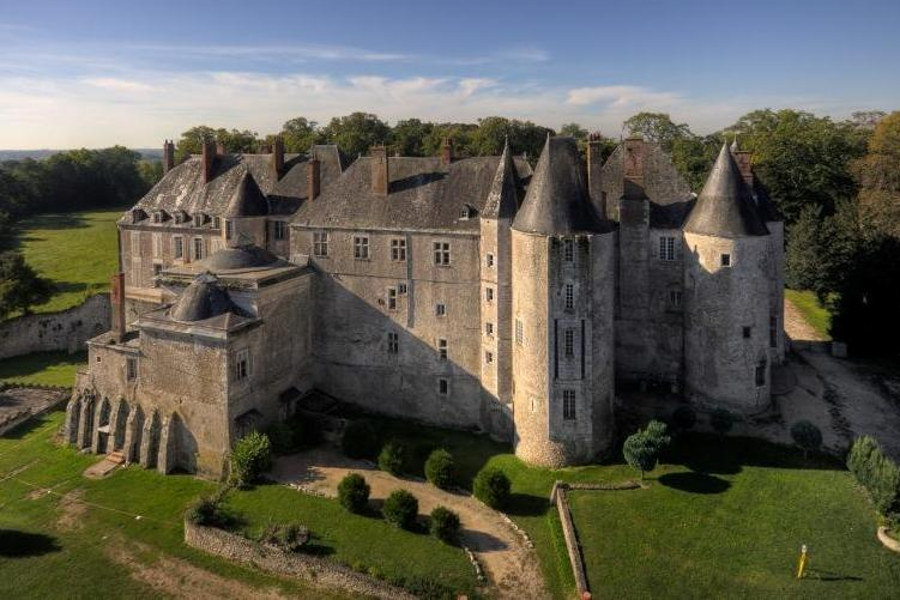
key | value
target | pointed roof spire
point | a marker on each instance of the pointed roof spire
(725, 206)
(557, 200)
(502, 201)
(247, 200)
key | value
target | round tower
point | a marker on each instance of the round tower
(728, 268)
(563, 299)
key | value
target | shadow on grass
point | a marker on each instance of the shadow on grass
(526, 505)
(22, 430)
(480, 541)
(694, 483)
(37, 362)
(20, 544)
(823, 575)
(709, 453)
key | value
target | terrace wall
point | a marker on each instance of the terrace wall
(67, 330)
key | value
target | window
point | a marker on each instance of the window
(229, 229)
(675, 297)
(402, 289)
(279, 228)
(217, 223)
(157, 269)
(131, 368)
(569, 405)
(761, 373)
(361, 247)
(320, 243)
(444, 387)
(520, 332)
(667, 248)
(440, 309)
(392, 298)
(488, 357)
(156, 245)
(198, 220)
(489, 328)
(178, 250)
(747, 332)
(398, 250)
(569, 343)
(533, 405)
(442, 349)
(442, 254)
(773, 332)
(157, 217)
(393, 346)
(241, 368)
(179, 217)
(198, 248)
(726, 260)
(489, 294)
(570, 296)
(569, 250)
(489, 260)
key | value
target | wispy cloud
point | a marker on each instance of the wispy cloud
(621, 96)
(290, 52)
(119, 85)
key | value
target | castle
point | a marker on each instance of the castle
(466, 292)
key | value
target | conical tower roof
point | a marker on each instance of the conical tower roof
(201, 300)
(725, 207)
(502, 201)
(557, 201)
(247, 200)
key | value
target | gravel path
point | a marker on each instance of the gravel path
(511, 566)
(796, 327)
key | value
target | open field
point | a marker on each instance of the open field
(42, 368)
(816, 315)
(76, 251)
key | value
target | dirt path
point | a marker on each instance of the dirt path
(511, 566)
(796, 326)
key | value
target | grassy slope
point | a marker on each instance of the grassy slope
(43, 368)
(76, 251)
(815, 314)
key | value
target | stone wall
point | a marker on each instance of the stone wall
(67, 330)
(318, 571)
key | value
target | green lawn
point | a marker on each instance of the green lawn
(76, 251)
(815, 314)
(42, 368)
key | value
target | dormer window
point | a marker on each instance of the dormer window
(138, 214)
(157, 216)
(466, 212)
(198, 220)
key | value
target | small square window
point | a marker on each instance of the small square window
(726, 260)
(393, 343)
(442, 349)
(444, 387)
(392, 298)
(489, 260)
(747, 331)
(675, 297)
(361, 247)
(398, 250)
(488, 357)
(442, 254)
(489, 294)
(440, 309)
(320, 243)
(489, 328)
(131, 368)
(402, 289)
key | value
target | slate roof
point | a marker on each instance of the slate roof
(246, 256)
(424, 194)
(504, 195)
(247, 200)
(725, 206)
(183, 187)
(557, 201)
(203, 299)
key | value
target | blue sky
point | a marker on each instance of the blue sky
(96, 73)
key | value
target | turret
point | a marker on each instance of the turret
(728, 265)
(563, 256)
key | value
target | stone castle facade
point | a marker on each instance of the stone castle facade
(476, 293)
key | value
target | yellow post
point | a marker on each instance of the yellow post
(801, 568)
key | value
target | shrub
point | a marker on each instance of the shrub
(684, 418)
(444, 524)
(204, 511)
(360, 440)
(287, 536)
(440, 469)
(721, 421)
(640, 452)
(392, 458)
(807, 436)
(877, 473)
(250, 458)
(492, 487)
(401, 509)
(657, 434)
(353, 492)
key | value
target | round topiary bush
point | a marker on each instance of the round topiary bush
(807, 436)
(444, 524)
(721, 421)
(250, 458)
(492, 487)
(392, 458)
(401, 509)
(440, 469)
(684, 418)
(353, 493)
(360, 440)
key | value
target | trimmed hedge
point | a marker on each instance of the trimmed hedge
(440, 469)
(392, 458)
(444, 524)
(877, 473)
(492, 487)
(401, 509)
(353, 493)
(250, 458)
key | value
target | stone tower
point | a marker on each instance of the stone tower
(563, 257)
(728, 266)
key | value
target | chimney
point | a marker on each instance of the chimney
(209, 159)
(381, 178)
(634, 168)
(278, 156)
(594, 170)
(313, 177)
(447, 151)
(220, 148)
(117, 304)
(742, 158)
(168, 159)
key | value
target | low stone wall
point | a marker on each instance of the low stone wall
(318, 571)
(67, 330)
(19, 403)
(884, 536)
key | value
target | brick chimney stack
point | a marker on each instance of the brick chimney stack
(447, 151)
(220, 148)
(313, 177)
(209, 159)
(168, 160)
(742, 158)
(278, 156)
(117, 304)
(594, 171)
(381, 178)
(634, 168)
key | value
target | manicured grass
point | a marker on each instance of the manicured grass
(76, 251)
(815, 314)
(42, 368)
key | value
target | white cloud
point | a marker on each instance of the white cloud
(621, 96)
(119, 85)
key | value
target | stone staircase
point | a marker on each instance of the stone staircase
(116, 457)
